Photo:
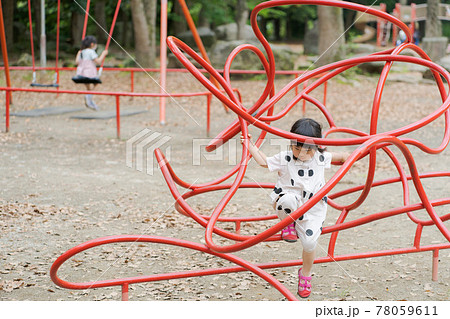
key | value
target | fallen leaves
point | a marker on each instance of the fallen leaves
(10, 285)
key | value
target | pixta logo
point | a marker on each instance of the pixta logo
(140, 148)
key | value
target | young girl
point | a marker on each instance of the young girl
(86, 60)
(300, 175)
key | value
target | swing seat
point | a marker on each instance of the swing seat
(53, 85)
(83, 79)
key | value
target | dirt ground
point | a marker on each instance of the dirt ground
(65, 181)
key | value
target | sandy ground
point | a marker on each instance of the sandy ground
(65, 181)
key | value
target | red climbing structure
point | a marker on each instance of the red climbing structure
(261, 115)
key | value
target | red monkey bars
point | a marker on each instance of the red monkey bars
(261, 115)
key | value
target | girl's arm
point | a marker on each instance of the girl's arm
(257, 154)
(78, 57)
(340, 157)
(102, 56)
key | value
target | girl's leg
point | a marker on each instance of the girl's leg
(309, 228)
(308, 261)
(89, 102)
(286, 204)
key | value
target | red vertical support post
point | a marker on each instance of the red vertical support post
(434, 272)
(379, 31)
(304, 101)
(208, 114)
(7, 110)
(325, 90)
(118, 115)
(5, 62)
(398, 15)
(333, 238)
(238, 227)
(125, 292)
(162, 59)
(132, 80)
(381, 24)
(413, 19)
(57, 44)
(296, 87)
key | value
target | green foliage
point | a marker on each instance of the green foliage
(217, 12)
(446, 29)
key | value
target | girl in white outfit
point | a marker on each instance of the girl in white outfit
(300, 175)
(86, 61)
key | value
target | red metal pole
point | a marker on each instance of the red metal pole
(132, 80)
(397, 13)
(57, 43)
(238, 227)
(125, 292)
(413, 19)
(118, 115)
(304, 101)
(208, 114)
(325, 89)
(5, 62)
(162, 59)
(296, 88)
(31, 34)
(8, 94)
(434, 273)
(113, 24)
(86, 16)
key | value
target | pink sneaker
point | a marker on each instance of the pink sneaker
(304, 285)
(289, 234)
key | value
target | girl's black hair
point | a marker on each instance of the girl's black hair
(307, 127)
(87, 41)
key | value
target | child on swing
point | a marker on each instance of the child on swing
(86, 60)
(300, 175)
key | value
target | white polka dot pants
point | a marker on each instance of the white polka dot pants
(308, 226)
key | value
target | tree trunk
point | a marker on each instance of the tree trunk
(331, 35)
(77, 21)
(179, 24)
(141, 38)
(8, 14)
(277, 29)
(203, 20)
(241, 18)
(126, 34)
(150, 14)
(433, 26)
(100, 16)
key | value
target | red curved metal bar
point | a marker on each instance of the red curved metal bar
(160, 240)
(260, 114)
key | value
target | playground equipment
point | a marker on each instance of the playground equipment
(56, 78)
(55, 86)
(261, 115)
(96, 80)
